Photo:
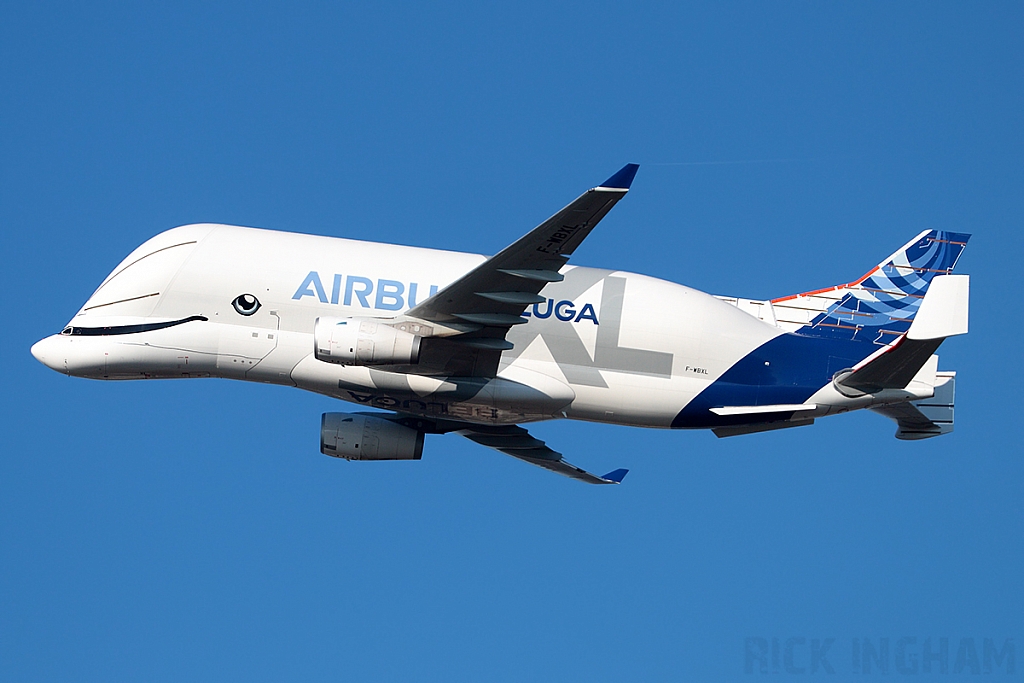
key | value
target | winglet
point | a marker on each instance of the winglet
(616, 476)
(623, 179)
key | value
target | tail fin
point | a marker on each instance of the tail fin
(881, 305)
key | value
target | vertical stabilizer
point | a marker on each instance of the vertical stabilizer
(881, 305)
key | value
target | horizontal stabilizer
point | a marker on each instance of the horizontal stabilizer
(755, 410)
(740, 430)
(928, 417)
(517, 442)
(894, 368)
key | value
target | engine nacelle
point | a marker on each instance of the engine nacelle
(364, 437)
(361, 341)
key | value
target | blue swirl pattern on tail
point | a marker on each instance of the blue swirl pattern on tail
(881, 305)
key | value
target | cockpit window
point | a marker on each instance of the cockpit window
(127, 329)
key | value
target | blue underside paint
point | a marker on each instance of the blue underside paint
(785, 370)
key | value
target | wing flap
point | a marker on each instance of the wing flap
(517, 442)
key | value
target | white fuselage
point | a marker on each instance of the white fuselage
(606, 346)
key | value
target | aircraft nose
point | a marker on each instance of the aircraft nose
(48, 352)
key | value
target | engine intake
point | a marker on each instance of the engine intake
(360, 341)
(363, 437)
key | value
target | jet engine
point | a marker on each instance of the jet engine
(363, 437)
(361, 341)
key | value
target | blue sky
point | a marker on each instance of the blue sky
(191, 530)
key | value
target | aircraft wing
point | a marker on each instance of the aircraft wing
(487, 301)
(517, 442)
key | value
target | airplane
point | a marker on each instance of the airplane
(441, 341)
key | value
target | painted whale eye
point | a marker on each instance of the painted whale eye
(246, 304)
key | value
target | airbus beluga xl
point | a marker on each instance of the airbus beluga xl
(441, 341)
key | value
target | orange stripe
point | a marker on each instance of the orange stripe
(830, 289)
